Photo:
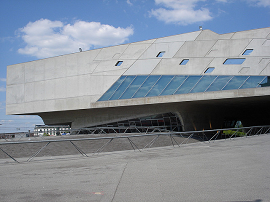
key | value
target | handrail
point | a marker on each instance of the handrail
(189, 134)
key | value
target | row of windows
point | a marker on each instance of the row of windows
(127, 87)
(229, 61)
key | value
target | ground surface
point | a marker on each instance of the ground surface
(224, 170)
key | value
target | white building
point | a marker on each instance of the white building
(207, 80)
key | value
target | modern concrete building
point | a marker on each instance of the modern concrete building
(198, 80)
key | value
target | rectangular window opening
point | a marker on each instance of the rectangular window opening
(160, 54)
(209, 70)
(184, 62)
(119, 63)
(234, 61)
(247, 52)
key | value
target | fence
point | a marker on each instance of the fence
(205, 135)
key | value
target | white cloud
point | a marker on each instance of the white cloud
(3, 79)
(263, 3)
(2, 89)
(45, 38)
(129, 3)
(180, 12)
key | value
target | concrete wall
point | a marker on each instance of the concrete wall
(76, 81)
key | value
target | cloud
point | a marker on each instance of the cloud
(46, 38)
(2, 89)
(180, 12)
(264, 3)
(129, 3)
(3, 79)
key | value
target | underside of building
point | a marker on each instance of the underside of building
(194, 81)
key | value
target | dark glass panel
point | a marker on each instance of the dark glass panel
(137, 82)
(203, 84)
(174, 85)
(109, 92)
(147, 85)
(159, 86)
(219, 83)
(122, 87)
(188, 84)
(235, 82)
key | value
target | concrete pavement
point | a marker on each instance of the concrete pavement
(224, 170)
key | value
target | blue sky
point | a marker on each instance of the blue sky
(35, 29)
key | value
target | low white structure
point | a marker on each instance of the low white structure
(55, 130)
(206, 79)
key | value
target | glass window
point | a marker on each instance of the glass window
(122, 87)
(247, 52)
(108, 94)
(136, 83)
(265, 82)
(188, 84)
(252, 82)
(184, 62)
(235, 82)
(160, 54)
(147, 85)
(173, 85)
(159, 86)
(219, 83)
(234, 61)
(119, 63)
(209, 70)
(203, 84)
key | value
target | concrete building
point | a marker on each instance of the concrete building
(207, 80)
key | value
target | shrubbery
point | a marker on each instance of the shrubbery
(231, 132)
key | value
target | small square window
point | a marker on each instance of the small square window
(234, 61)
(247, 52)
(184, 62)
(119, 63)
(160, 54)
(209, 70)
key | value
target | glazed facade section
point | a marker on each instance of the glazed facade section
(128, 87)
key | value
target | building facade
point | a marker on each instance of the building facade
(207, 80)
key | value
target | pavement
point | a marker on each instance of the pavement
(225, 170)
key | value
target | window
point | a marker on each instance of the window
(234, 61)
(247, 52)
(119, 63)
(160, 54)
(209, 70)
(184, 62)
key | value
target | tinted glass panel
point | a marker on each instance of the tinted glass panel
(160, 54)
(122, 87)
(137, 82)
(203, 84)
(247, 52)
(234, 61)
(147, 85)
(174, 85)
(109, 92)
(209, 70)
(188, 84)
(219, 83)
(184, 62)
(265, 82)
(119, 63)
(252, 82)
(235, 83)
(159, 86)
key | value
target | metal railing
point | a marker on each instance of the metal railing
(205, 135)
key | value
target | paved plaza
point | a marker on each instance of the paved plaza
(225, 170)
